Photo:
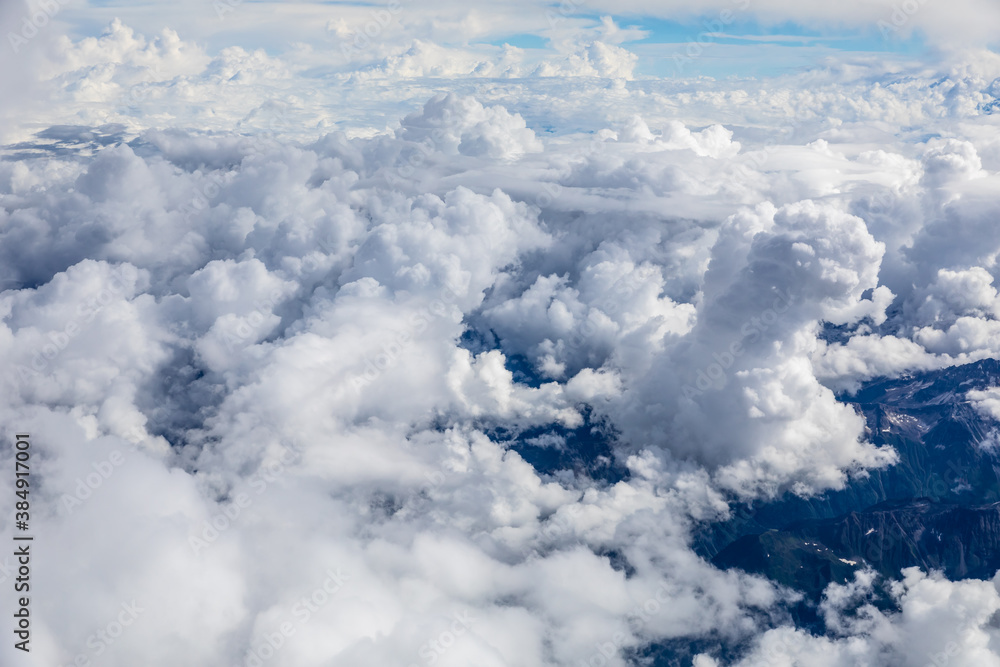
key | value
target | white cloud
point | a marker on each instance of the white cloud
(311, 298)
(939, 622)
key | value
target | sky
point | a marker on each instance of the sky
(287, 286)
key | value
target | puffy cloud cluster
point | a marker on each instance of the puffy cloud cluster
(738, 391)
(596, 59)
(450, 124)
(277, 379)
(425, 59)
(939, 623)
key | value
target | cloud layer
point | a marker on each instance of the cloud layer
(277, 353)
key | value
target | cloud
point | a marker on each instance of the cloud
(309, 309)
(931, 626)
(451, 124)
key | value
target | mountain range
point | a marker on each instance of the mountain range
(937, 508)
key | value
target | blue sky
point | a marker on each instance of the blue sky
(746, 48)
(743, 48)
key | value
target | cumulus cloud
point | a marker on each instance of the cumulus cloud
(938, 621)
(452, 124)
